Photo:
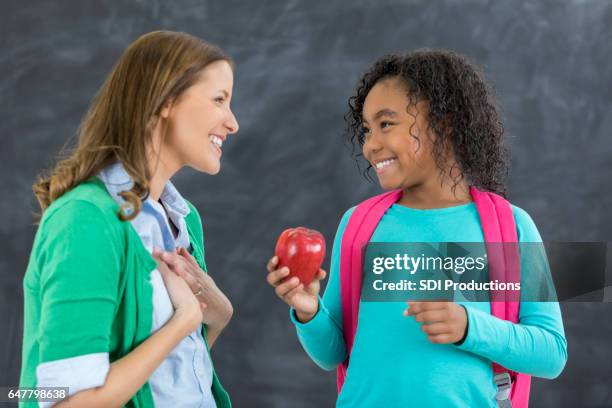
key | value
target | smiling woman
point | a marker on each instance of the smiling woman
(107, 313)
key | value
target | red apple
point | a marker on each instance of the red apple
(301, 250)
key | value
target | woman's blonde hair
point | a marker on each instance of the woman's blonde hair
(152, 72)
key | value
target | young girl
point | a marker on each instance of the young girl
(427, 125)
(102, 317)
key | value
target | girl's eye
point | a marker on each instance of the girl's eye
(366, 131)
(385, 124)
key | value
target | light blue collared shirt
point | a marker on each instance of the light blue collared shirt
(184, 378)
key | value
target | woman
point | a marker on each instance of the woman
(102, 317)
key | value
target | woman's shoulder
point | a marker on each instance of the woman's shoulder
(87, 203)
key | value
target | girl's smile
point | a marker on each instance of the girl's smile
(383, 165)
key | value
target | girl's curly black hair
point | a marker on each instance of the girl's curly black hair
(462, 112)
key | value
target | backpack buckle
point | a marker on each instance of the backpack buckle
(504, 387)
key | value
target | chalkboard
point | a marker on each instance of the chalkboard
(296, 65)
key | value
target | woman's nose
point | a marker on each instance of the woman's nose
(231, 123)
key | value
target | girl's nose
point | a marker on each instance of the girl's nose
(372, 145)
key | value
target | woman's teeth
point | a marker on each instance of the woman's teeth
(217, 141)
(383, 164)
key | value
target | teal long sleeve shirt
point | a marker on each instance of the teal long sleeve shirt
(393, 364)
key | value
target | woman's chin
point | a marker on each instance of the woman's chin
(208, 168)
(213, 170)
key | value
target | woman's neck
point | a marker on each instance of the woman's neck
(160, 174)
(162, 165)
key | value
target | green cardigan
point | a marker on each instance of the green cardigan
(87, 285)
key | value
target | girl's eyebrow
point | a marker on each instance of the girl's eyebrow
(384, 112)
(381, 113)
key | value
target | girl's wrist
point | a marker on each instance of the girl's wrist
(305, 317)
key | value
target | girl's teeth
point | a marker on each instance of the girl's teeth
(383, 164)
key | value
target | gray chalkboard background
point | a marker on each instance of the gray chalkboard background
(297, 63)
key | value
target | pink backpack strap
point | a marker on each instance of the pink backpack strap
(359, 229)
(498, 225)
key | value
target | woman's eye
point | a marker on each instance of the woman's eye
(220, 99)
(366, 131)
(385, 124)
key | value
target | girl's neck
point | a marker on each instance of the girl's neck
(435, 193)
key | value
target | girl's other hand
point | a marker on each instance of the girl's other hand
(443, 322)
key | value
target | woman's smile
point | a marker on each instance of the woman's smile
(217, 143)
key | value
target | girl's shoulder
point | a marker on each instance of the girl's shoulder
(526, 228)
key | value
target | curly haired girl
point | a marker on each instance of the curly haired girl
(427, 124)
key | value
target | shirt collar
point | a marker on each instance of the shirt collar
(116, 179)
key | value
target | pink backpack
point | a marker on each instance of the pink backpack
(497, 221)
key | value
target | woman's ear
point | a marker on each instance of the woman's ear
(165, 111)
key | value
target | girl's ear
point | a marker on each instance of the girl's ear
(446, 124)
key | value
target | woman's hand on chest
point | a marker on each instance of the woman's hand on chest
(217, 310)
